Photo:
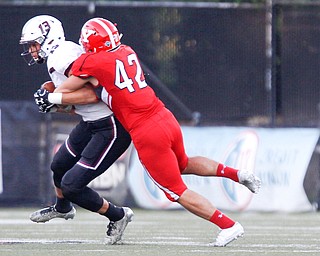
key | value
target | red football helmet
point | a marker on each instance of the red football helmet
(99, 34)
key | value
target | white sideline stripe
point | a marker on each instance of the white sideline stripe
(47, 241)
(16, 221)
(57, 221)
(272, 248)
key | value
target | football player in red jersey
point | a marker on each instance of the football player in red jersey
(154, 130)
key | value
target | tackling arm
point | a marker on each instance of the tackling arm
(85, 95)
(74, 83)
(75, 90)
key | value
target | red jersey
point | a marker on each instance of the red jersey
(153, 129)
(120, 73)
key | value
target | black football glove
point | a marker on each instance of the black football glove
(47, 109)
(41, 99)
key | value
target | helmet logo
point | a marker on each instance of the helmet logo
(86, 33)
(44, 27)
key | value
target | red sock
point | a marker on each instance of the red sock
(228, 172)
(221, 220)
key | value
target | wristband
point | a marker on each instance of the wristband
(55, 98)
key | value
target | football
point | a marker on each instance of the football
(49, 86)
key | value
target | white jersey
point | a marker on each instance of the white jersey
(58, 63)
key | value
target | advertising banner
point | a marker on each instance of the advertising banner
(284, 158)
(280, 157)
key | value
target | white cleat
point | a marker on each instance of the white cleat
(228, 235)
(115, 229)
(252, 182)
(48, 213)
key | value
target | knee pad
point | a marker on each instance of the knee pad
(69, 187)
(63, 160)
(82, 196)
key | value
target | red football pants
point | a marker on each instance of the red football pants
(159, 144)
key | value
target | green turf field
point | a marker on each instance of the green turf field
(158, 233)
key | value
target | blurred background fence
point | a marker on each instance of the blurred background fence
(214, 57)
(211, 63)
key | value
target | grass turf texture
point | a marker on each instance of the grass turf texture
(158, 233)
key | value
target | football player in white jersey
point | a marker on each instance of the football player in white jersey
(93, 145)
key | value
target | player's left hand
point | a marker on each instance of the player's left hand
(48, 108)
(41, 99)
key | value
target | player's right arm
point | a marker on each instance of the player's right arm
(75, 90)
(82, 96)
(85, 95)
(50, 101)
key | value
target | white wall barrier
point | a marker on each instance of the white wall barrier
(280, 157)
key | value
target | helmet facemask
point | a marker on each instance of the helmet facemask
(32, 52)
